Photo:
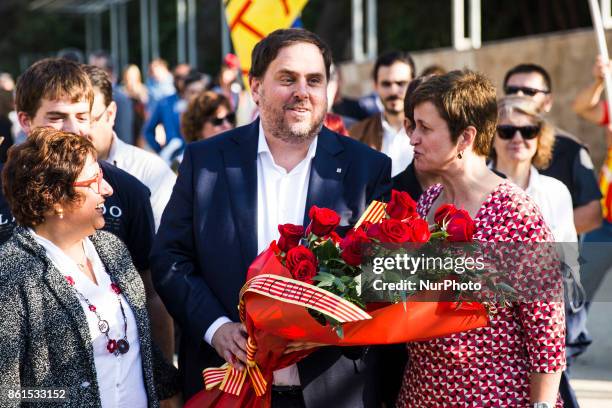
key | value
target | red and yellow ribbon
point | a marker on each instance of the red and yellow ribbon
(231, 380)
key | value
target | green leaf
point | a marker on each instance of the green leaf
(326, 251)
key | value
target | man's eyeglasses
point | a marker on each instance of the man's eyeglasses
(526, 90)
(230, 118)
(95, 183)
(96, 119)
(507, 132)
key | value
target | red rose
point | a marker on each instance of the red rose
(444, 213)
(419, 230)
(295, 257)
(290, 236)
(461, 227)
(352, 247)
(393, 231)
(334, 237)
(304, 271)
(323, 220)
(401, 205)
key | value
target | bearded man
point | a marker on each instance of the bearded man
(231, 194)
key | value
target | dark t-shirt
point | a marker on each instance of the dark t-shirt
(572, 165)
(127, 213)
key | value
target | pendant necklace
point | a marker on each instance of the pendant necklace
(114, 346)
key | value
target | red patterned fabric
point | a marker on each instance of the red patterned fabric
(489, 367)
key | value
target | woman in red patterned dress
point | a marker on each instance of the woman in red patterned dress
(517, 361)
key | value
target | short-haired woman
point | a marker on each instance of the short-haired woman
(72, 305)
(518, 359)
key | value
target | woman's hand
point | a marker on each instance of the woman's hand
(301, 345)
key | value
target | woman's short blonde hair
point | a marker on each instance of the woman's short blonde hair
(510, 104)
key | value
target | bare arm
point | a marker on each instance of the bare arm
(587, 217)
(162, 326)
(587, 104)
(588, 101)
(544, 387)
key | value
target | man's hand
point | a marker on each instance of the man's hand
(300, 345)
(230, 342)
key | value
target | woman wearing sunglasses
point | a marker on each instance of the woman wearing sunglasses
(523, 144)
(207, 115)
(73, 317)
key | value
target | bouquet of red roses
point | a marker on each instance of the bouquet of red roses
(306, 287)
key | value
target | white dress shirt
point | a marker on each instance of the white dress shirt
(120, 378)
(555, 202)
(147, 167)
(397, 146)
(281, 199)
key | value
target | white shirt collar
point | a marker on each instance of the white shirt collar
(115, 146)
(262, 145)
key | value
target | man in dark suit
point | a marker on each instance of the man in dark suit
(232, 192)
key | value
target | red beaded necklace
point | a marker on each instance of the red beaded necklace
(116, 347)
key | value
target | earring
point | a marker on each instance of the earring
(460, 155)
(60, 213)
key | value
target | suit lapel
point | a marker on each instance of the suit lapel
(241, 170)
(328, 169)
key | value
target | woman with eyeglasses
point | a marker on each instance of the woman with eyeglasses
(523, 144)
(73, 318)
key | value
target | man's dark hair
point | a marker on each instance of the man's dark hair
(529, 69)
(100, 79)
(389, 58)
(107, 60)
(267, 49)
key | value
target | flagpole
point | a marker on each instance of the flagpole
(603, 47)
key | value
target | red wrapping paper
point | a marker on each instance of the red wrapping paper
(273, 323)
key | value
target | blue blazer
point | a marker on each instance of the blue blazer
(208, 236)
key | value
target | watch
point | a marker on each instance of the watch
(541, 405)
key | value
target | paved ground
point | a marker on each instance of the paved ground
(592, 373)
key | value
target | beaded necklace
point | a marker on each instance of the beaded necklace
(114, 346)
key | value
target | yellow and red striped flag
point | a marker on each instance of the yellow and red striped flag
(251, 20)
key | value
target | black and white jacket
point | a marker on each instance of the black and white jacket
(44, 337)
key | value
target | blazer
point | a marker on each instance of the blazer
(44, 337)
(369, 131)
(208, 238)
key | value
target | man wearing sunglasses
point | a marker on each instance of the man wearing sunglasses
(572, 165)
(571, 162)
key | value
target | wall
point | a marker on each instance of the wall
(567, 56)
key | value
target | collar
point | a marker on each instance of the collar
(534, 179)
(116, 145)
(262, 144)
(387, 127)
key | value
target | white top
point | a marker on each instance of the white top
(147, 167)
(281, 199)
(555, 202)
(397, 146)
(120, 378)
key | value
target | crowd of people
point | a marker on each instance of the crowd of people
(130, 212)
